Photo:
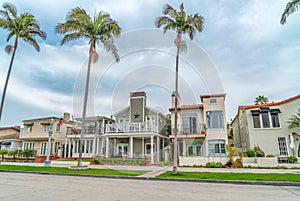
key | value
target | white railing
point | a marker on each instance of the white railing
(196, 129)
(131, 127)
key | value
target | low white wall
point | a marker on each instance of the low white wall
(260, 162)
(190, 161)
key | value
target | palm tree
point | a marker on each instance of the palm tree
(182, 23)
(290, 8)
(100, 28)
(23, 26)
(294, 121)
(261, 100)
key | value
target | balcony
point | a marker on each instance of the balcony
(88, 130)
(131, 128)
(196, 129)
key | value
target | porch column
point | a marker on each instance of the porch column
(102, 146)
(115, 146)
(65, 150)
(152, 146)
(143, 147)
(107, 147)
(70, 147)
(157, 148)
(94, 153)
(85, 143)
(97, 147)
(131, 147)
(163, 149)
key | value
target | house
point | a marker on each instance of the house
(35, 134)
(9, 138)
(93, 138)
(138, 131)
(202, 133)
(266, 126)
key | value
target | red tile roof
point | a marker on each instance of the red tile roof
(183, 107)
(245, 107)
(137, 94)
(212, 95)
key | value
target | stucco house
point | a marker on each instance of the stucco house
(36, 133)
(202, 134)
(266, 126)
(138, 131)
(9, 138)
(93, 138)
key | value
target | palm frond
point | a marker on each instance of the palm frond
(110, 47)
(32, 42)
(290, 8)
(72, 36)
(169, 10)
(294, 121)
(11, 9)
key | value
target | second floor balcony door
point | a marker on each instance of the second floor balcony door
(122, 149)
(189, 123)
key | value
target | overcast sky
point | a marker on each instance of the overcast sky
(243, 51)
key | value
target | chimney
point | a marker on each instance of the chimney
(66, 117)
(173, 100)
(137, 106)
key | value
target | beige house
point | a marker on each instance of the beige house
(138, 131)
(9, 138)
(202, 133)
(93, 138)
(266, 126)
(35, 134)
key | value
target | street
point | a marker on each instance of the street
(25, 187)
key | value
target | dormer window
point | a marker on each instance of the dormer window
(265, 118)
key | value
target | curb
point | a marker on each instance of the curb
(234, 182)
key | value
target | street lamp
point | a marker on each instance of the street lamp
(47, 161)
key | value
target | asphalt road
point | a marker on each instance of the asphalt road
(21, 186)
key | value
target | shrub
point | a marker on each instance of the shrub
(27, 153)
(213, 165)
(270, 156)
(14, 153)
(3, 152)
(165, 163)
(259, 152)
(250, 153)
(292, 159)
(230, 152)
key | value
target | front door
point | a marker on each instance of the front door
(122, 149)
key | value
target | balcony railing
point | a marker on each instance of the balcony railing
(131, 127)
(194, 129)
(88, 130)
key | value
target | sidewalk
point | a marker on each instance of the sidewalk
(157, 170)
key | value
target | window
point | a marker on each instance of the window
(265, 119)
(43, 151)
(28, 145)
(275, 120)
(58, 128)
(217, 148)
(212, 100)
(29, 128)
(256, 121)
(47, 127)
(148, 149)
(215, 119)
(194, 149)
(189, 123)
(282, 146)
(56, 147)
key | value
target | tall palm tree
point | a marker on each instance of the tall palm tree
(261, 100)
(23, 26)
(294, 121)
(100, 28)
(182, 23)
(290, 8)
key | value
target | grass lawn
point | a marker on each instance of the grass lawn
(233, 176)
(64, 170)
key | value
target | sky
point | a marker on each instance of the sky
(243, 51)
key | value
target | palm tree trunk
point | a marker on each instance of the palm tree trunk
(175, 158)
(84, 109)
(8, 76)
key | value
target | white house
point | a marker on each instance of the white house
(266, 126)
